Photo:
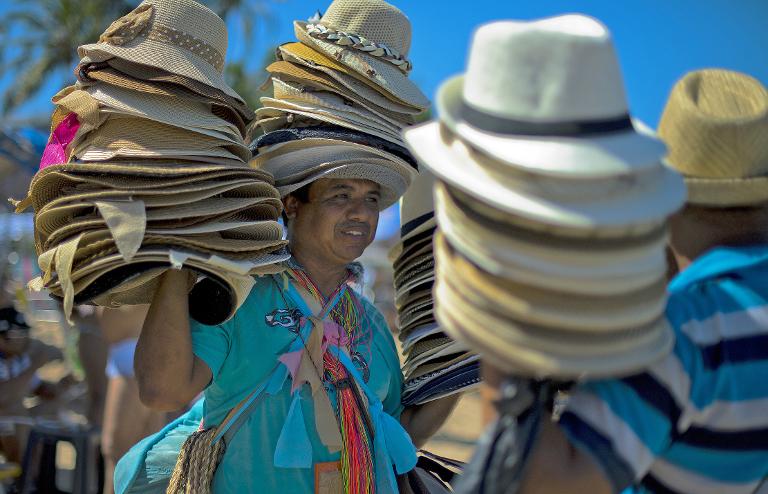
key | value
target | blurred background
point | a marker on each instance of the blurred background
(657, 41)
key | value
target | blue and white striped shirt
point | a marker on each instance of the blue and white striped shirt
(696, 422)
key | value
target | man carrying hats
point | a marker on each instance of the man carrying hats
(696, 421)
(314, 357)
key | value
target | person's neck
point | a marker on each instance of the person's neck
(325, 275)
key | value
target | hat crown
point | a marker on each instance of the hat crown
(558, 69)
(715, 124)
(374, 20)
(418, 200)
(191, 18)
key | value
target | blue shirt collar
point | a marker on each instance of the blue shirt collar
(720, 261)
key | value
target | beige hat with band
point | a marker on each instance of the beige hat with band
(94, 74)
(715, 125)
(370, 37)
(306, 78)
(314, 60)
(180, 36)
(551, 308)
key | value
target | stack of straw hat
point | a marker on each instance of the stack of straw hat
(551, 205)
(435, 364)
(146, 169)
(341, 97)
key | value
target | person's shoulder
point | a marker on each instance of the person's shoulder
(373, 313)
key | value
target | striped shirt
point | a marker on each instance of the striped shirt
(696, 422)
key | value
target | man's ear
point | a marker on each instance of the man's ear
(291, 206)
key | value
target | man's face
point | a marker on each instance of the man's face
(339, 220)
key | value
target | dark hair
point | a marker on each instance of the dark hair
(302, 194)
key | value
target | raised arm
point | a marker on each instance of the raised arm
(168, 372)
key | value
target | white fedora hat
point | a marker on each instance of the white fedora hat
(617, 205)
(547, 95)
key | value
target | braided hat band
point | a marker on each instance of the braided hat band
(356, 42)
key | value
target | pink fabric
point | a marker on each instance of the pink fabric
(292, 361)
(56, 150)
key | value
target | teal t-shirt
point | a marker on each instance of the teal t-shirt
(242, 353)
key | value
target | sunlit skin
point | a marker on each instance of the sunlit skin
(333, 227)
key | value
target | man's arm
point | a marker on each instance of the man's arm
(168, 372)
(423, 421)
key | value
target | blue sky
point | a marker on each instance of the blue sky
(657, 40)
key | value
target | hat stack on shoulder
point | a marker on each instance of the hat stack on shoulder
(435, 364)
(341, 97)
(146, 168)
(551, 205)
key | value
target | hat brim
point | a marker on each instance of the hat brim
(596, 155)
(386, 76)
(165, 57)
(520, 348)
(639, 204)
(393, 184)
(725, 193)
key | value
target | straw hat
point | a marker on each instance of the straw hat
(299, 162)
(307, 79)
(417, 211)
(551, 307)
(547, 95)
(90, 74)
(372, 38)
(716, 126)
(278, 138)
(299, 93)
(132, 137)
(179, 36)
(618, 205)
(329, 71)
(177, 112)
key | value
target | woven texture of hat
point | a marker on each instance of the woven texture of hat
(387, 25)
(716, 127)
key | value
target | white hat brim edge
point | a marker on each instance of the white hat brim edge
(607, 154)
(635, 208)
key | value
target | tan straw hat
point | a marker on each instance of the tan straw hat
(179, 36)
(312, 60)
(716, 127)
(372, 38)
(132, 137)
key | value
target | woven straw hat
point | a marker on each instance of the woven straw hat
(716, 127)
(547, 95)
(332, 106)
(131, 137)
(153, 74)
(90, 74)
(417, 210)
(298, 92)
(177, 112)
(299, 162)
(611, 266)
(305, 79)
(526, 349)
(372, 38)
(54, 181)
(311, 115)
(618, 206)
(179, 36)
(549, 307)
(335, 74)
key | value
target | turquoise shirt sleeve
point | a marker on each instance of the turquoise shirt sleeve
(212, 344)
